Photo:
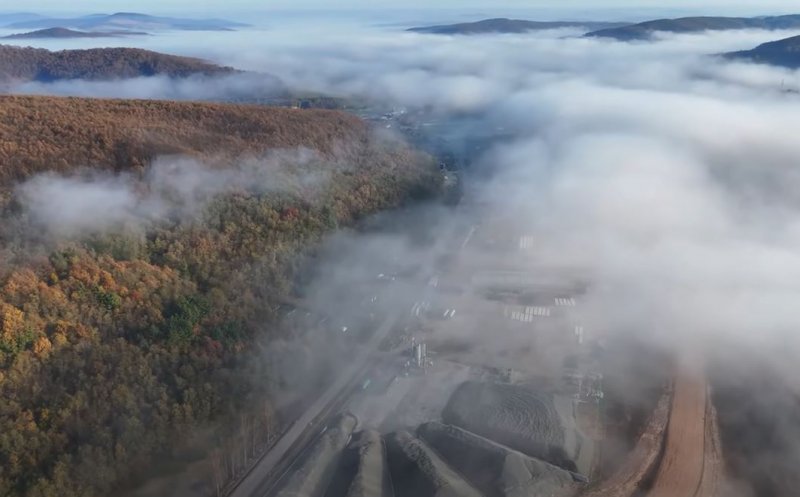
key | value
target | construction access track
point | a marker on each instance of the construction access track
(678, 454)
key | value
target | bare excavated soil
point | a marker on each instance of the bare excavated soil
(641, 462)
(681, 467)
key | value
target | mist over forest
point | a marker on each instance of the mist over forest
(209, 255)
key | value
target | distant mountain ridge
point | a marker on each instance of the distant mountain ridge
(784, 53)
(645, 30)
(126, 21)
(503, 25)
(37, 64)
(13, 17)
(68, 33)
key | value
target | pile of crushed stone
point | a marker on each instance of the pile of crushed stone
(371, 478)
(518, 417)
(417, 471)
(496, 470)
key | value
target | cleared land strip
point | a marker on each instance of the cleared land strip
(683, 463)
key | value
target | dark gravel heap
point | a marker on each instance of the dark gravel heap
(512, 415)
(495, 470)
(417, 471)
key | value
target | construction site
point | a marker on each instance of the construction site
(492, 382)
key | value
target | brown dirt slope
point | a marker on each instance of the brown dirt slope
(40, 134)
(641, 461)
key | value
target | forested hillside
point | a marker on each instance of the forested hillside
(38, 64)
(62, 134)
(645, 30)
(785, 53)
(117, 343)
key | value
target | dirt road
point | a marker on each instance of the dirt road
(680, 448)
(642, 460)
(682, 464)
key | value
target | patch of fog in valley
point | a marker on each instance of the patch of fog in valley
(668, 176)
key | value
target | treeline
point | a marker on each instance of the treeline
(38, 64)
(115, 347)
(62, 135)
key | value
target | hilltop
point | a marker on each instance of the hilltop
(58, 134)
(68, 33)
(784, 53)
(502, 25)
(37, 64)
(126, 21)
(645, 30)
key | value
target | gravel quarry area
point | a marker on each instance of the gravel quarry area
(494, 469)
(372, 478)
(362, 469)
(418, 471)
(312, 476)
(518, 417)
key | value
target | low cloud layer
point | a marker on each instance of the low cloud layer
(668, 173)
(667, 177)
(176, 188)
(232, 87)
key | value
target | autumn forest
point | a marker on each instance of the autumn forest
(120, 343)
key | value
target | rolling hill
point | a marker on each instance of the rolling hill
(784, 53)
(127, 21)
(502, 25)
(36, 64)
(67, 33)
(645, 30)
(59, 134)
(117, 347)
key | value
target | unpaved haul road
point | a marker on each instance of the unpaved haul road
(683, 462)
(683, 432)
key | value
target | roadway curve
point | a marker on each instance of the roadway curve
(679, 449)
(642, 460)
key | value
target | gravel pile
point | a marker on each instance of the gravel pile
(495, 470)
(372, 475)
(517, 417)
(417, 471)
(312, 475)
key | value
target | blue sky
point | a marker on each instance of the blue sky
(235, 7)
